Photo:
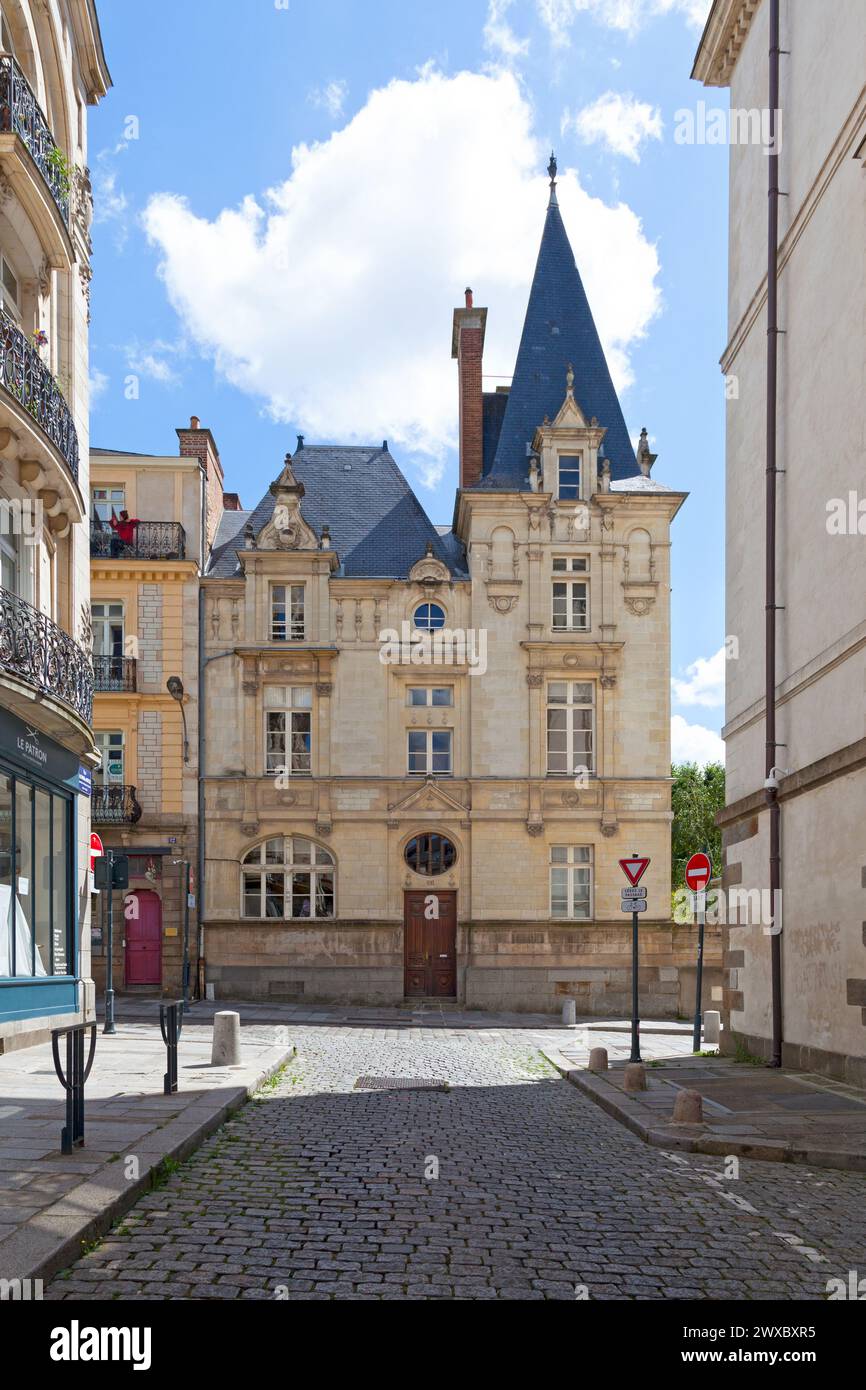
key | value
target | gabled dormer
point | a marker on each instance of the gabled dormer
(565, 451)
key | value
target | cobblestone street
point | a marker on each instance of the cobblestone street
(317, 1190)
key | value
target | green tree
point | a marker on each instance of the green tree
(697, 794)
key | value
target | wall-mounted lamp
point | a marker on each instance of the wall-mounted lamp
(174, 686)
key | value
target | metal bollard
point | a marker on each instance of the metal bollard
(77, 1073)
(171, 1027)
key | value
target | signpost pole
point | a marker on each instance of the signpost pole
(635, 1021)
(700, 912)
(108, 1026)
(186, 940)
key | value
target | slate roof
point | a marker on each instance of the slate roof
(558, 329)
(378, 527)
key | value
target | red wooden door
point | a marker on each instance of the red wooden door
(143, 932)
(430, 944)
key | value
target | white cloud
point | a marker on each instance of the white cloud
(628, 16)
(704, 682)
(331, 298)
(98, 385)
(619, 121)
(151, 360)
(330, 98)
(499, 36)
(692, 743)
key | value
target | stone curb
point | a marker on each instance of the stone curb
(53, 1239)
(694, 1138)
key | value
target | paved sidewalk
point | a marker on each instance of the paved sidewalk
(749, 1111)
(52, 1204)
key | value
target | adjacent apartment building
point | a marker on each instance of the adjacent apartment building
(52, 67)
(152, 521)
(427, 747)
(813, 265)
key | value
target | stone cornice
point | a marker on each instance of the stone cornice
(723, 37)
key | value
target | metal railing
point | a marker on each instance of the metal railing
(25, 376)
(20, 112)
(114, 673)
(152, 540)
(42, 654)
(114, 803)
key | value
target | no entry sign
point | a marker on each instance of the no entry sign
(699, 871)
(634, 868)
(96, 849)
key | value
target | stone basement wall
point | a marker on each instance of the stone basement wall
(517, 967)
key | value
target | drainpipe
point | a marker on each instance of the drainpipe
(203, 663)
(771, 790)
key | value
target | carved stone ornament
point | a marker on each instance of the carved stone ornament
(249, 828)
(640, 606)
(429, 570)
(608, 682)
(323, 827)
(502, 603)
(535, 679)
(324, 687)
(571, 798)
(534, 827)
(608, 830)
(85, 628)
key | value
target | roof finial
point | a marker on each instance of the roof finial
(569, 381)
(551, 169)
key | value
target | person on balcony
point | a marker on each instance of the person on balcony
(124, 529)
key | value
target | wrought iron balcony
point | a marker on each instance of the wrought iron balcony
(114, 673)
(25, 376)
(113, 803)
(152, 540)
(39, 652)
(21, 113)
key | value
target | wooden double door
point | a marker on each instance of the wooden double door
(430, 944)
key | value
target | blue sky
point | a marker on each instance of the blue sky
(292, 194)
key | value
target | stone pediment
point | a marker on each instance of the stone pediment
(429, 796)
(287, 529)
(429, 570)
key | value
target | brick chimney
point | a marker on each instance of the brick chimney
(467, 345)
(199, 443)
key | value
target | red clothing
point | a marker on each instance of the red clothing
(125, 529)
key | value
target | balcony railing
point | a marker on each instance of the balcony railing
(26, 377)
(114, 804)
(20, 112)
(152, 540)
(114, 673)
(42, 654)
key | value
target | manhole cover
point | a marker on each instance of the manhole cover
(399, 1083)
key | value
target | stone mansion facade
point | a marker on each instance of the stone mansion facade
(426, 748)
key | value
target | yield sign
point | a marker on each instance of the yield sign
(634, 868)
(698, 872)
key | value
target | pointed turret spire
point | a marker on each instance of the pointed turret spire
(559, 337)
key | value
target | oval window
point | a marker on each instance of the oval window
(430, 854)
(428, 617)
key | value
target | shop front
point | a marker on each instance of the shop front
(39, 782)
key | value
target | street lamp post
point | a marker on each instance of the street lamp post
(186, 893)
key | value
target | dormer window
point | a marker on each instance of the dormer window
(287, 612)
(569, 478)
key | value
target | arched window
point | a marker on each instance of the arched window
(429, 854)
(288, 878)
(428, 617)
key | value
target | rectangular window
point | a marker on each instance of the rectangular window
(34, 862)
(10, 296)
(109, 746)
(569, 477)
(105, 500)
(431, 695)
(570, 727)
(429, 752)
(570, 609)
(107, 629)
(287, 612)
(288, 730)
(571, 881)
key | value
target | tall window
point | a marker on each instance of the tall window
(289, 729)
(288, 877)
(569, 477)
(10, 290)
(35, 852)
(571, 881)
(109, 746)
(570, 596)
(287, 612)
(107, 629)
(570, 727)
(429, 752)
(104, 500)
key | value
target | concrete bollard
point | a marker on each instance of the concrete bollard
(712, 1025)
(688, 1108)
(598, 1059)
(569, 1012)
(226, 1049)
(635, 1076)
